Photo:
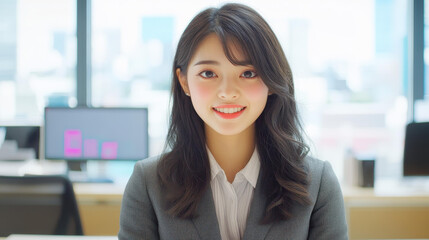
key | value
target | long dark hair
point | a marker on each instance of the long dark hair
(184, 169)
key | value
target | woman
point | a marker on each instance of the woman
(236, 166)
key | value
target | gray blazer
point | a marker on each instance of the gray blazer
(142, 216)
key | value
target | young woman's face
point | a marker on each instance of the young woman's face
(228, 98)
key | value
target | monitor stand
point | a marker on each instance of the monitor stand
(78, 173)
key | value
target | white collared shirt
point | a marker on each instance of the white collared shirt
(232, 201)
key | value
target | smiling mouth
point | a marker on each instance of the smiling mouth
(229, 112)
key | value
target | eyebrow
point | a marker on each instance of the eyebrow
(211, 62)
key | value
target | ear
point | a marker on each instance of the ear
(183, 81)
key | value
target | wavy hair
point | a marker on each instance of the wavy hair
(184, 169)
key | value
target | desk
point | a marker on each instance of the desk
(50, 237)
(99, 206)
(370, 214)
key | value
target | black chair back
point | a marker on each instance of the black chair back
(38, 205)
(416, 150)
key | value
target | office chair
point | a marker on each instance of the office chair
(38, 205)
(416, 151)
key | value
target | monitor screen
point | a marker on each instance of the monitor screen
(416, 149)
(96, 133)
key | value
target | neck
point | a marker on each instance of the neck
(232, 152)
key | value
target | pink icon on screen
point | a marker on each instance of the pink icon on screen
(73, 143)
(90, 148)
(109, 150)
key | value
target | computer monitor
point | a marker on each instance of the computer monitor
(416, 149)
(26, 136)
(82, 133)
(96, 133)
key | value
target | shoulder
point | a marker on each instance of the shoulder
(328, 219)
(322, 177)
(144, 176)
(140, 202)
(314, 165)
(148, 165)
(317, 168)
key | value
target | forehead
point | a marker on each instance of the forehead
(211, 48)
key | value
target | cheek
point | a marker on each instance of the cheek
(200, 91)
(257, 91)
(201, 94)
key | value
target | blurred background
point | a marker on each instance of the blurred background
(359, 70)
(350, 60)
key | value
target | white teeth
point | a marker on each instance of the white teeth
(229, 110)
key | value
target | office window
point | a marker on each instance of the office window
(38, 57)
(348, 59)
(422, 105)
(133, 46)
(349, 65)
(426, 50)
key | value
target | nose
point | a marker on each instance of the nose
(228, 89)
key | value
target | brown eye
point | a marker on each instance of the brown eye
(207, 74)
(248, 74)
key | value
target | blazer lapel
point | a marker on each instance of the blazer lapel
(255, 230)
(206, 223)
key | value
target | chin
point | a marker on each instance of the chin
(229, 131)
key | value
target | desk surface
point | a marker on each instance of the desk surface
(108, 192)
(51, 237)
(392, 208)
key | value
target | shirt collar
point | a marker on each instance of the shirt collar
(250, 171)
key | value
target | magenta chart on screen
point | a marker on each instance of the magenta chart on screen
(96, 133)
(77, 147)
